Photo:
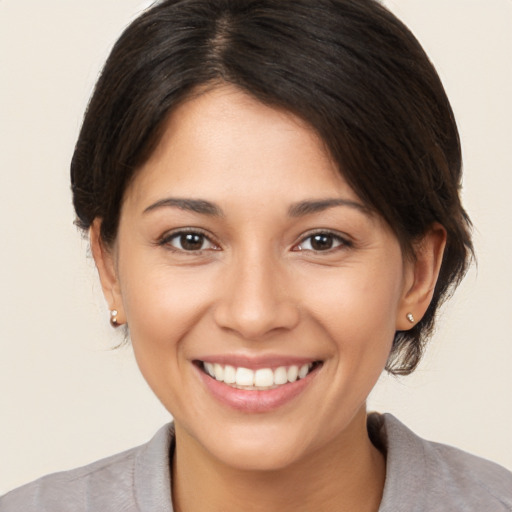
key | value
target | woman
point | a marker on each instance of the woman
(271, 193)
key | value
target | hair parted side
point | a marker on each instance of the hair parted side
(349, 68)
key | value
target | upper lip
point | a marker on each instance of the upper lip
(256, 362)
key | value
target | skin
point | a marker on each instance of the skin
(257, 288)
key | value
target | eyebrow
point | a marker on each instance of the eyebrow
(192, 205)
(314, 206)
(299, 209)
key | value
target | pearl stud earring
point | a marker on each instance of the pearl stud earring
(410, 317)
(113, 318)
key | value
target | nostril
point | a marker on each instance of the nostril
(254, 300)
(255, 321)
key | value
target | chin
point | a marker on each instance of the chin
(260, 455)
(254, 447)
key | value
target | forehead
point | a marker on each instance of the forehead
(224, 144)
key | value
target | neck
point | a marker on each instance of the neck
(346, 475)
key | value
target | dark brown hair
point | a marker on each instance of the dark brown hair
(349, 68)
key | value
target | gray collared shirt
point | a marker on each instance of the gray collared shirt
(421, 476)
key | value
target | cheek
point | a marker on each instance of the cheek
(357, 312)
(357, 305)
(162, 305)
(158, 298)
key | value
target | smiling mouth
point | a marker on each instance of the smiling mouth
(261, 379)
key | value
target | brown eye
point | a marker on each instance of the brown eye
(189, 242)
(321, 242)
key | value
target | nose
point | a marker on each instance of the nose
(256, 299)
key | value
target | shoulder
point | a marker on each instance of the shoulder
(67, 490)
(433, 476)
(113, 483)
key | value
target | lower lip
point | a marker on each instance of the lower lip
(256, 401)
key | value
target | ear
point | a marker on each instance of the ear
(421, 275)
(104, 257)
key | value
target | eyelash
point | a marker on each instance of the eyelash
(166, 240)
(338, 241)
(341, 241)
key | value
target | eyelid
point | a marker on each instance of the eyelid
(164, 239)
(344, 239)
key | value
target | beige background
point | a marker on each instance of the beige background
(66, 399)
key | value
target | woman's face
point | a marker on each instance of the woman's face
(243, 253)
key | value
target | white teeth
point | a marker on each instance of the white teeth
(280, 376)
(263, 378)
(244, 377)
(229, 374)
(219, 371)
(304, 370)
(209, 369)
(293, 373)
